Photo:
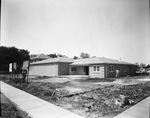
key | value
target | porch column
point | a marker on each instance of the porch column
(70, 70)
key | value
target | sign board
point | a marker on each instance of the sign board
(10, 67)
(15, 66)
(25, 65)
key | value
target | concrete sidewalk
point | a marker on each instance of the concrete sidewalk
(140, 110)
(34, 106)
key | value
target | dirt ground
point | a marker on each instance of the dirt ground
(91, 98)
(9, 110)
(79, 85)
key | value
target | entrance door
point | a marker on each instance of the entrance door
(86, 68)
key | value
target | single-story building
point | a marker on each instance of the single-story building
(96, 67)
(51, 67)
(101, 67)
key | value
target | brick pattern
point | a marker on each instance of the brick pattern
(130, 70)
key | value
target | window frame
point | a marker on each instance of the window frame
(96, 68)
(119, 68)
(73, 69)
(111, 68)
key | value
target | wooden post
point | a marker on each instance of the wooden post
(9, 75)
(17, 74)
(28, 72)
(12, 75)
(26, 65)
(27, 75)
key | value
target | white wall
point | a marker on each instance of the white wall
(44, 70)
(94, 74)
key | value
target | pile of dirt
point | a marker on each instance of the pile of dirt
(101, 102)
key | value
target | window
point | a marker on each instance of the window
(73, 69)
(118, 68)
(96, 68)
(111, 68)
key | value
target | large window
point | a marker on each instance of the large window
(111, 68)
(73, 69)
(96, 68)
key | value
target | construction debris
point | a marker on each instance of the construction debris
(104, 101)
(123, 101)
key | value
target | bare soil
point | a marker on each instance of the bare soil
(91, 98)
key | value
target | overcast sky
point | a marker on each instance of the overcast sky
(104, 28)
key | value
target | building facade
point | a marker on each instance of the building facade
(102, 68)
(51, 67)
(93, 67)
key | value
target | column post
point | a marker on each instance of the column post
(70, 70)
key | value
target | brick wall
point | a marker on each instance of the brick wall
(124, 70)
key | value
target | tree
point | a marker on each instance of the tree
(11, 55)
(148, 66)
(142, 65)
(60, 55)
(75, 57)
(137, 63)
(84, 55)
(54, 55)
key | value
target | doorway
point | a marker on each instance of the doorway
(86, 70)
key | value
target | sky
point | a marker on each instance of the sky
(104, 28)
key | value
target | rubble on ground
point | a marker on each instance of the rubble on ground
(103, 101)
(122, 101)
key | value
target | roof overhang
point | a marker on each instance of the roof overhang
(102, 64)
(79, 64)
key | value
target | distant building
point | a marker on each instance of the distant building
(39, 57)
(96, 67)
